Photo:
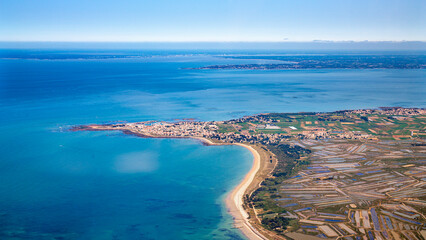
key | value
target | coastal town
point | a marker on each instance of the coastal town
(355, 174)
(368, 124)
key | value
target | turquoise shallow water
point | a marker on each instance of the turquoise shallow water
(107, 185)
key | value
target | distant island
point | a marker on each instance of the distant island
(326, 62)
(349, 174)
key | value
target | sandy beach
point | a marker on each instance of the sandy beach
(234, 201)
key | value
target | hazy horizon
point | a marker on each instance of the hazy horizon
(226, 45)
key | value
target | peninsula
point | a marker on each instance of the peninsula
(319, 61)
(355, 174)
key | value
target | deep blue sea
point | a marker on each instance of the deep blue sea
(57, 184)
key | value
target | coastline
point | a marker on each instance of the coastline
(234, 201)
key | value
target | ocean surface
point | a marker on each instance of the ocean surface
(57, 184)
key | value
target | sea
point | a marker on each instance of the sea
(59, 184)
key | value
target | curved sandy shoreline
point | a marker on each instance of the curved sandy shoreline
(234, 201)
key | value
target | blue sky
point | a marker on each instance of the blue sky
(218, 20)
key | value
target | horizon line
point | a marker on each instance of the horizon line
(236, 41)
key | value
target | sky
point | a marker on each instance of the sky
(212, 20)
